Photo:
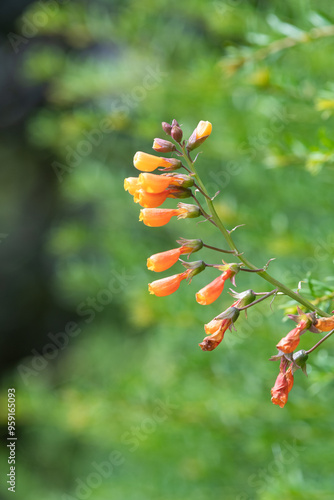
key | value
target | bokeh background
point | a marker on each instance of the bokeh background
(114, 397)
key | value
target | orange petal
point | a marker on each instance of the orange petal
(150, 200)
(289, 343)
(166, 286)
(153, 183)
(211, 292)
(164, 260)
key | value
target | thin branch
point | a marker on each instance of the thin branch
(258, 300)
(219, 249)
(320, 342)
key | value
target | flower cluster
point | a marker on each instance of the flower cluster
(151, 190)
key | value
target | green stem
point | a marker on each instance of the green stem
(277, 284)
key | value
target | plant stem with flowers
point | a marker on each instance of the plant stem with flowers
(151, 190)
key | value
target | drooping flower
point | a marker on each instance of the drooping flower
(167, 286)
(147, 163)
(211, 292)
(289, 343)
(201, 132)
(283, 384)
(156, 217)
(217, 327)
(164, 260)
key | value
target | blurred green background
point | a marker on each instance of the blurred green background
(114, 397)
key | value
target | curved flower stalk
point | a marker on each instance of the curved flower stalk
(151, 190)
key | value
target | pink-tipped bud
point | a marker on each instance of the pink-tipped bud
(163, 146)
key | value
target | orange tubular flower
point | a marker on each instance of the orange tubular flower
(148, 163)
(167, 286)
(211, 292)
(289, 343)
(131, 184)
(164, 260)
(217, 328)
(156, 217)
(214, 339)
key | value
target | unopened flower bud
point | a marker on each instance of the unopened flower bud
(163, 146)
(299, 361)
(192, 245)
(171, 165)
(166, 127)
(194, 268)
(188, 211)
(244, 298)
(177, 133)
(201, 132)
(179, 192)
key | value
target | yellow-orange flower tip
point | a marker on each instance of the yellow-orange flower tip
(131, 184)
(167, 286)
(147, 163)
(203, 129)
(201, 132)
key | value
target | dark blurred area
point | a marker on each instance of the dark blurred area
(27, 306)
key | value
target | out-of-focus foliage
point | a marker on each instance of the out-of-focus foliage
(109, 72)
